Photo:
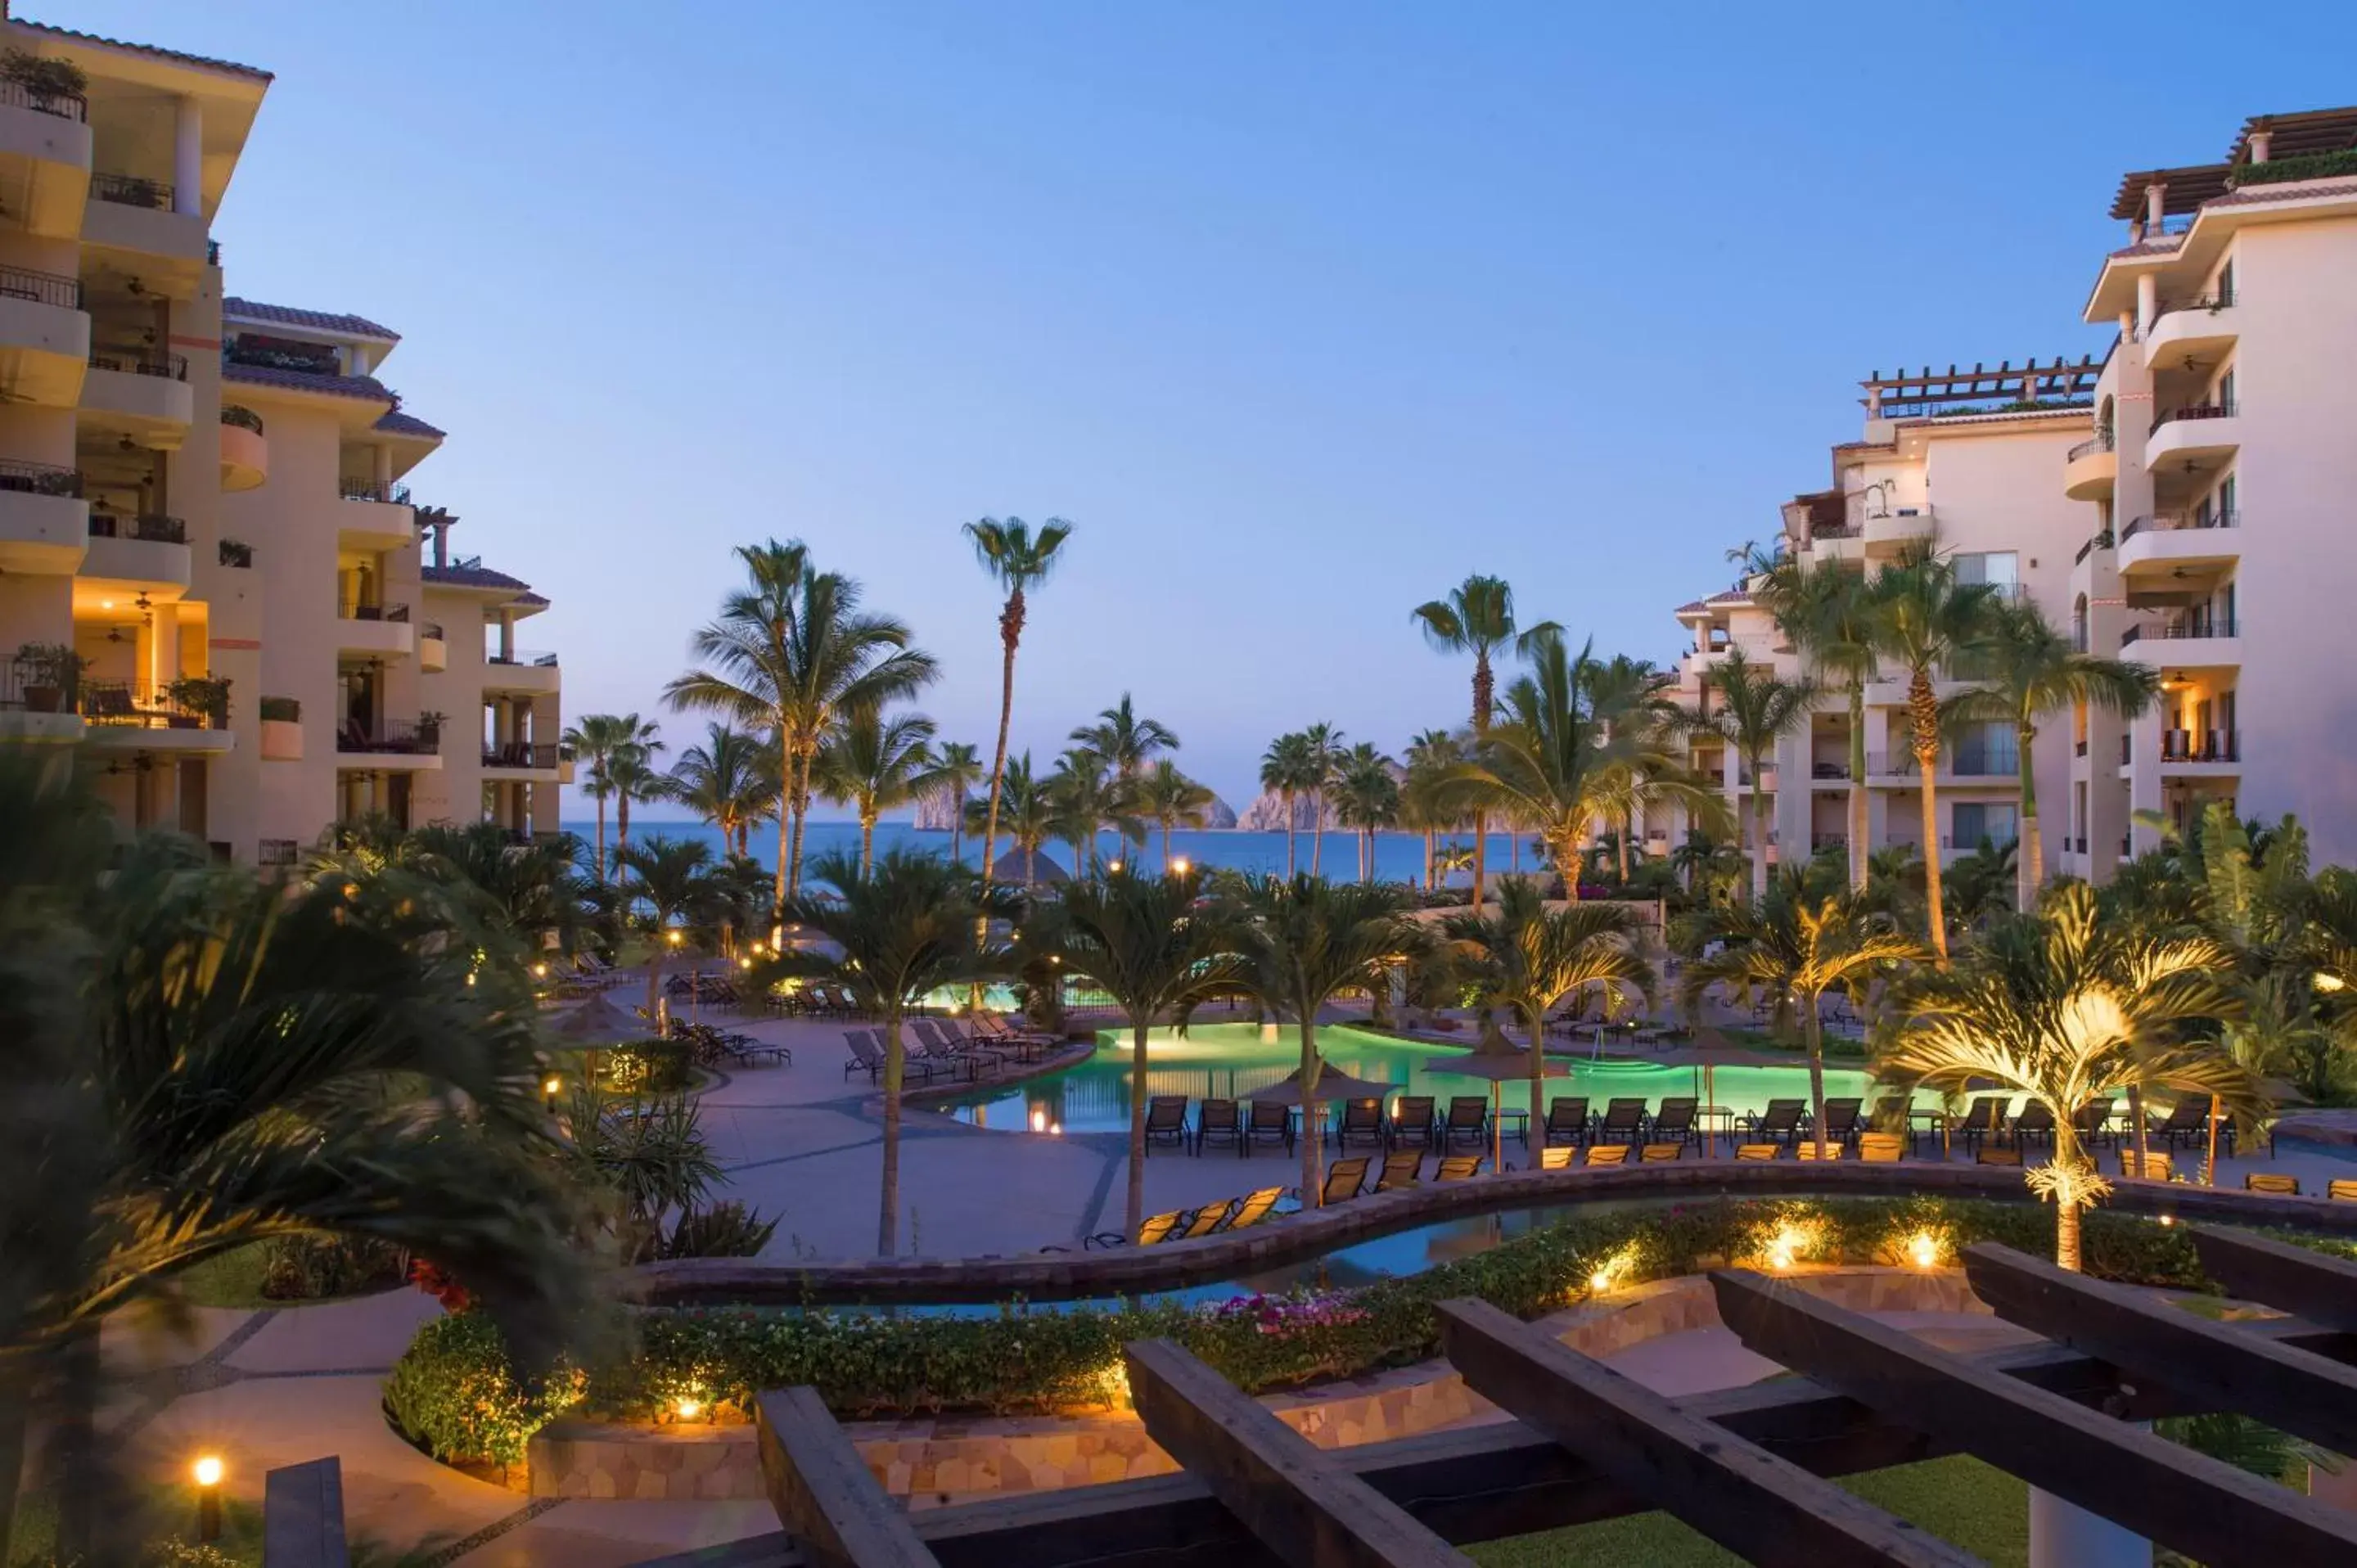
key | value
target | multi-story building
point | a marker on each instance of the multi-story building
(212, 575)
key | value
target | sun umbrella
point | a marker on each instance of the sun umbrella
(1711, 1050)
(1333, 1084)
(1497, 1059)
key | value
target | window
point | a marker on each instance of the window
(2226, 391)
(1974, 821)
(1989, 750)
(1997, 566)
(2224, 292)
(2226, 489)
(2226, 623)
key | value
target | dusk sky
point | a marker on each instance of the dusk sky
(1300, 313)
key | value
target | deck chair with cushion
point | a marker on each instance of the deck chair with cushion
(1997, 1154)
(1842, 1120)
(1403, 1168)
(1361, 1120)
(1343, 1179)
(1555, 1159)
(2342, 1190)
(1758, 1150)
(1155, 1228)
(1779, 1122)
(2277, 1186)
(1458, 1168)
(1256, 1207)
(864, 1057)
(2157, 1166)
(1605, 1155)
(1983, 1118)
(1806, 1149)
(2187, 1122)
(1270, 1123)
(2093, 1122)
(1412, 1121)
(1208, 1218)
(1216, 1122)
(2035, 1124)
(1675, 1123)
(1566, 1121)
(1469, 1123)
(1660, 1153)
(1624, 1121)
(1881, 1148)
(1166, 1121)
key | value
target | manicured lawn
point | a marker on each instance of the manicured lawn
(1961, 1500)
(233, 1279)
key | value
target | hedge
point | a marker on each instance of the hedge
(2307, 165)
(454, 1394)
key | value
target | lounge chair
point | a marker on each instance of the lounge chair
(1660, 1153)
(1469, 1121)
(1841, 1120)
(1403, 1168)
(1269, 1121)
(2093, 1122)
(2188, 1122)
(2342, 1190)
(1412, 1121)
(1555, 1159)
(1806, 1149)
(916, 1048)
(2035, 1124)
(1166, 1121)
(1983, 1118)
(1363, 1120)
(1343, 1179)
(945, 1044)
(1566, 1121)
(2157, 1166)
(1881, 1148)
(1623, 1120)
(1604, 1154)
(1458, 1168)
(2277, 1186)
(1157, 1227)
(1257, 1206)
(1758, 1150)
(1779, 1122)
(1216, 1122)
(864, 1056)
(1997, 1154)
(1675, 1123)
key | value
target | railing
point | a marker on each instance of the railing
(1743, 777)
(39, 478)
(525, 656)
(153, 529)
(139, 362)
(2102, 443)
(45, 288)
(432, 628)
(370, 490)
(405, 737)
(1901, 765)
(64, 105)
(136, 705)
(1824, 770)
(2213, 302)
(278, 853)
(242, 417)
(1950, 841)
(2204, 745)
(321, 365)
(132, 190)
(2179, 632)
(2174, 521)
(2196, 411)
(1828, 841)
(521, 754)
(374, 612)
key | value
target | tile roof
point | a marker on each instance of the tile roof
(1693, 607)
(1731, 596)
(2163, 245)
(305, 380)
(529, 598)
(400, 423)
(159, 53)
(2288, 190)
(325, 320)
(472, 577)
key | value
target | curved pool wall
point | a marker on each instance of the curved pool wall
(1231, 1061)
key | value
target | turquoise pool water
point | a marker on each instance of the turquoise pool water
(1231, 1060)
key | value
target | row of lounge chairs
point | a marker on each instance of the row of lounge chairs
(709, 1046)
(931, 1049)
(1188, 1224)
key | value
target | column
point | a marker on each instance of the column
(381, 469)
(2064, 1535)
(188, 160)
(507, 637)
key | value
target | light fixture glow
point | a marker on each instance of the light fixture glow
(689, 1407)
(206, 1470)
(1038, 1121)
(1600, 1281)
(1182, 865)
(552, 1084)
(1923, 1249)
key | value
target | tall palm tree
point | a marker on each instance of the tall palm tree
(1017, 561)
(731, 781)
(2067, 1007)
(1322, 750)
(790, 653)
(876, 763)
(1087, 800)
(1529, 958)
(957, 768)
(1931, 624)
(1144, 942)
(1478, 618)
(637, 780)
(896, 931)
(1367, 799)
(596, 740)
(1829, 613)
(1422, 793)
(1286, 768)
(1170, 798)
(1299, 942)
(677, 883)
(2030, 669)
(1025, 810)
(1633, 702)
(1757, 708)
(1792, 949)
(1126, 743)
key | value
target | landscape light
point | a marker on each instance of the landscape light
(1038, 1121)
(1785, 1250)
(208, 1470)
(1923, 1249)
(675, 938)
(2330, 983)
(689, 1407)
(1182, 865)
(1600, 1281)
(1112, 865)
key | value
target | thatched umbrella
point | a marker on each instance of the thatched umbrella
(1497, 1059)
(597, 1022)
(1333, 1084)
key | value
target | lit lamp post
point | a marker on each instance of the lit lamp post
(1181, 866)
(548, 1088)
(206, 1471)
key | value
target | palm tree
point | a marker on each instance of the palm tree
(1478, 618)
(1367, 799)
(676, 884)
(1286, 768)
(1016, 560)
(2030, 669)
(1529, 958)
(875, 764)
(731, 781)
(790, 653)
(1144, 942)
(1322, 756)
(1633, 703)
(957, 768)
(1301, 942)
(1025, 810)
(1169, 797)
(636, 780)
(1757, 708)
(1792, 949)
(896, 931)
(1086, 800)
(2066, 1007)
(1830, 614)
(1422, 805)
(596, 740)
(1126, 743)
(1931, 623)
(532, 891)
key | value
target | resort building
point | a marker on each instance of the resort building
(213, 575)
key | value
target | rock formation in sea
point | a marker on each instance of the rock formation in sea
(1266, 815)
(1220, 814)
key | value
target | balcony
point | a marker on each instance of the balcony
(143, 553)
(1896, 769)
(44, 521)
(138, 715)
(135, 219)
(2091, 468)
(2200, 754)
(1838, 543)
(391, 745)
(44, 337)
(522, 758)
(2170, 541)
(33, 709)
(144, 394)
(244, 450)
(379, 629)
(1825, 770)
(45, 148)
(2206, 641)
(2195, 432)
(1820, 843)
(1888, 533)
(1765, 781)
(375, 517)
(2200, 328)
(522, 671)
(433, 647)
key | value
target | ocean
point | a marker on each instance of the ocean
(1399, 857)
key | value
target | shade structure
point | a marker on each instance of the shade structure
(1497, 1059)
(1713, 1051)
(597, 1022)
(1333, 1084)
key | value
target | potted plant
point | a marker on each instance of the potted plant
(52, 673)
(429, 730)
(281, 710)
(203, 699)
(42, 77)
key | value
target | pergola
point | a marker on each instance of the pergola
(1746, 1467)
(2062, 383)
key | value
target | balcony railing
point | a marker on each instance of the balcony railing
(143, 363)
(2126, 750)
(370, 490)
(278, 853)
(374, 612)
(242, 417)
(39, 478)
(536, 658)
(1828, 841)
(432, 628)
(1825, 769)
(521, 754)
(405, 737)
(2102, 443)
(1966, 765)
(64, 105)
(1766, 781)
(261, 359)
(153, 529)
(2179, 632)
(2212, 303)
(2196, 411)
(46, 289)
(2200, 745)
(2079, 846)
(132, 190)
(2172, 521)
(138, 704)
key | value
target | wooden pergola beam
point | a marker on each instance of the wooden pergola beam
(1295, 1501)
(2185, 1500)
(823, 1491)
(1765, 1508)
(2216, 1363)
(2316, 1286)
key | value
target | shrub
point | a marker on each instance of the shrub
(454, 1394)
(649, 1067)
(2307, 166)
(727, 1230)
(308, 1268)
(42, 77)
(282, 709)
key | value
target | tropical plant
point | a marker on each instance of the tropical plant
(531, 890)
(1016, 560)
(653, 1162)
(679, 891)
(1321, 745)
(635, 781)
(1126, 742)
(1287, 767)
(598, 739)
(1025, 810)
(730, 781)
(1150, 944)
(1981, 885)
(1301, 942)
(790, 653)
(1791, 949)
(957, 768)
(1633, 704)
(2065, 1007)
(1366, 799)
(2030, 669)
(1172, 799)
(1757, 708)
(1478, 618)
(895, 931)
(874, 763)
(1424, 807)
(1829, 614)
(1086, 800)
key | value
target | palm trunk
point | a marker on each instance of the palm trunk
(866, 841)
(2032, 862)
(1166, 846)
(1628, 827)
(91, 1519)
(2067, 1155)
(1134, 1211)
(1815, 1032)
(801, 820)
(1758, 833)
(1534, 1021)
(1924, 713)
(785, 816)
(957, 831)
(1312, 1180)
(1318, 833)
(1288, 834)
(2209, 1164)
(1481, 855)
(15, 1417)
(2136, 1117)
(601, 876)
(1427, 860)
(1008, 638)
(887, 1222)
(1481, 689)
(1858, 848)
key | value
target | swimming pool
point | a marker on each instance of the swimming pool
(1229, 1061)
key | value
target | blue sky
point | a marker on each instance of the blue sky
(1301, 313)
